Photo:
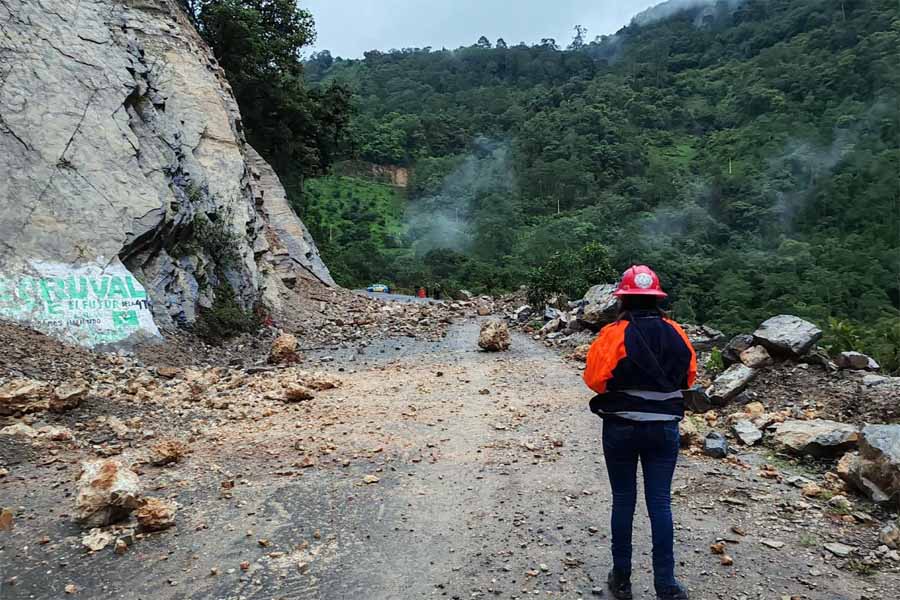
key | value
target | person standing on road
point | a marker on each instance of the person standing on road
(638, 366)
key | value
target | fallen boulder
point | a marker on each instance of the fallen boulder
(730, 383)
(68, 396)
(601, 294)
(107, 493)
(732, 352)
(523, 313)
(879, 452)
(703, 337)
(856, 361)
(756, 357)
(715, 445)
(22, 396)
(600, 306)
(875, 381)
(552, 326)
(296, 392)
(787, 335)
(284, 350)
(494, 336)
(890, 535)
(817, 437)
(19, 429)
(849, 468)
(696, 400)
(747, 432)
(156, 514)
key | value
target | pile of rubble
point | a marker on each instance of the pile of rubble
(89, 416)
(869, 453)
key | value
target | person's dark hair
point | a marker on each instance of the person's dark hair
(639, 303)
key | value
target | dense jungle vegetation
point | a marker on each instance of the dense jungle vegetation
(749, 151)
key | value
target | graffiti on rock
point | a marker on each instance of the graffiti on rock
(91, 305)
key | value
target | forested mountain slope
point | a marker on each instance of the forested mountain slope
(748, 150)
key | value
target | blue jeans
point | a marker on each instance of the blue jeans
(656, 445)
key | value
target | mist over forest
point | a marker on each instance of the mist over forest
(747, 150)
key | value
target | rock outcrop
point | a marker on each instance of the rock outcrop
(130, 199)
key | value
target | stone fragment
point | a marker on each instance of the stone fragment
(715, 445)
(107, 493)
(688, 432)
(68, 396)
(879, 453)
(755, 409)
(856, 361)
(298, 393)
(787, 335)
(817, 437)
(20, 429)
(168, 372)
(523, 313)
(22, 395)
(581, 353)
(732, 352)
(6, 519)
(890, 535)
(552, 326)
(839, 550)
(284, 350)
(156, 514)
(747, 432)
(811, 490)
(730, 383)
(600, 306)
(703, 337)
(167, 452)
(494, 336)
(756, 357)
(696, 400)
(97, 540)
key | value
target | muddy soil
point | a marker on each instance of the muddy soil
(435, 471)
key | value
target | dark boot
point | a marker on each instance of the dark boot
(673, 593)
(619, 585)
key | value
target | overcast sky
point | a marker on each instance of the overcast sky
(350, 27)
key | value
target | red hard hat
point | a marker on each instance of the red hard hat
(639, 280)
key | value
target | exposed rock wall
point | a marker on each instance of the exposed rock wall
(120, 140)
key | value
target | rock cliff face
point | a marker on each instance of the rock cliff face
(128, 195)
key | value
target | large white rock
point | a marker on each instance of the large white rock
(787, 335)
(494, 336)
(107, 493)
(601, 306)
(120, 139)
(817, 437)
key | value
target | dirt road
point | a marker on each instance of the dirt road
(490, 483)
